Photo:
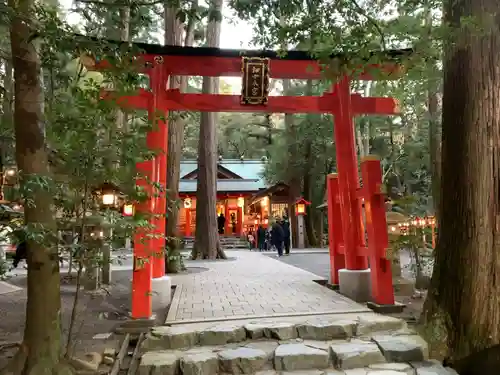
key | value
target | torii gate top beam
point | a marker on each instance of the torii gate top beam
(218, 62)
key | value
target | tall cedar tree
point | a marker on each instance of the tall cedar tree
(206, 244)
(465, 287)
(41, 347)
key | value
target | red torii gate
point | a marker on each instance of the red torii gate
(347, 243)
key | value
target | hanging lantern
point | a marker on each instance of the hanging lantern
(108, 195)
(300, 206)
(241, 202)
(187, 202)
(128, 209)
(10, 172)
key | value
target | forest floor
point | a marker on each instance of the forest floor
(98, 313)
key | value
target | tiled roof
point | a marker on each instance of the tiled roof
(246, 169)
(189, 186)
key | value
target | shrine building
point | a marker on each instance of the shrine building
(243, 196)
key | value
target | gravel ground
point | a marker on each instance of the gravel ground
(98, 312)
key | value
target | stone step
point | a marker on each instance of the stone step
(377, 346)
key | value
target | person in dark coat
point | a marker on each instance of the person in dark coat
(21, 253)
(221, 221)
(277, 237)
(261, 238)
(286, 231)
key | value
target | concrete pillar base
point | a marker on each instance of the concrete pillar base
(355, 284)
(162, 292)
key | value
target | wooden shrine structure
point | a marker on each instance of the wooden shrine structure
(348, 249)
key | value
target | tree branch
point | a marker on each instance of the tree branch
(372, 21)
(120, 4)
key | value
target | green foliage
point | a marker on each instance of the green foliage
(88, 146)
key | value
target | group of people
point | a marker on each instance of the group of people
(277, 236)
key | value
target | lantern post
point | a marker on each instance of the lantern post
(300, 212)
(109, 196)
(128, 210)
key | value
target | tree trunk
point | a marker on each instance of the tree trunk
(173, 33)
(466, 278)
(293, 182)
(309, 218)
(7, 98)
(41, 347)
(434, 144)
(207, 244)
(7, 120)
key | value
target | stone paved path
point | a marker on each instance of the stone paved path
(251, 285)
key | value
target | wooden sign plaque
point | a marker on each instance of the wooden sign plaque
(255, 85)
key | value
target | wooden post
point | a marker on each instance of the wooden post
(187, 230)
(376, 225)
(348, 181)
(227, 224)
(239, 221)
(335, 231)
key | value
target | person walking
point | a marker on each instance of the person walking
(251, 240)
(261, 238)
(221, 222)
(285, 224)
(21, 253)
(277, 236)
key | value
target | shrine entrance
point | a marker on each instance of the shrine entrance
(348, 251)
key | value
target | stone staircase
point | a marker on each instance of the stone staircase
(320, 345)
(227, 243)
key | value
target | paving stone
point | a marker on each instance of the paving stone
(280, 331)
(404, 368)
(303, 372)
(293, 357)
(222, 334)
(432, 368)
(334, 372)
(161, 362)
(242, 360)
(402, 348)
(266, 346)
(355, 354)
(291, 341)
(202, 363)
(151, 343)
(378, 323)
(91, 362)
(323, 345)
(272, 330)
(174, 337)
(356, 371)
(384, 372)
(255, 330)
(326, 330)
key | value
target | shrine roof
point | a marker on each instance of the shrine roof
(249, 176)
(167, 50)
(189, 186)
(249, 169)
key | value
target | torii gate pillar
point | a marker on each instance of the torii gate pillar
(354, 279)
